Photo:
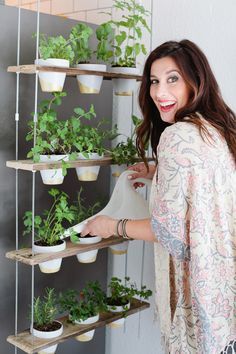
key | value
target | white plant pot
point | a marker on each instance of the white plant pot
(88, 173)
(52, 176)
(118, 323)
(116, 170)
(119, 249)
(90, 83)
(124, 87)
(85, 337)
(54, 265)
(52, 81)
(90, 256)
(48, 335)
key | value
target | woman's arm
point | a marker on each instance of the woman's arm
(105, 227)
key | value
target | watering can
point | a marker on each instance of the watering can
(125, 202)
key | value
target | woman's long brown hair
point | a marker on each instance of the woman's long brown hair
(205, 97)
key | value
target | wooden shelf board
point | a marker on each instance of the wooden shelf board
(25, 255)
(32, 69)
(29, 165)
(30, 344)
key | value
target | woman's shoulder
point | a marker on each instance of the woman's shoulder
(184, 133)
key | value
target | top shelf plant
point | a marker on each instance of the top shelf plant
(127, 42)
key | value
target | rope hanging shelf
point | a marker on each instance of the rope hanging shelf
(30, 344)
(25, 255)
(29, 165)
(33, 69)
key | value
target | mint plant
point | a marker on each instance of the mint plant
(105, 35)
(45, 310)
(91, 139)
(125, 152)
(55, 47)
(79, 37)
(50, 226)
(84, 304)
(121, 294)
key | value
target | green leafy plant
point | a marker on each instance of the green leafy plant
(79, 37)
(49, 227)
(50, 132)
(91, 139)
(45, 311)
(121, 294)
(105, 36)
(125, 152)
(55, 47)
(128, 32)
(53, 136)
(84, 304)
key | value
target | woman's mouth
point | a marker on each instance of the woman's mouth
(167, 106)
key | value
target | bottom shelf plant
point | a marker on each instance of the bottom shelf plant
(45, 325)
(84, 307)
(121, 295)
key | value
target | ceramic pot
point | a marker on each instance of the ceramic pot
(85, 337)
(89, 173)
(119, 249)
(90, 83)
(48, 335)
(116, 309)
(52, 176)
(90, 256)
(54, 265)
(124, 87)
(52, 81)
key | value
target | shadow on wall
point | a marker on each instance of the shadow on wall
(72, 274)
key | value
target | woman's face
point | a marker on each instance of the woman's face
(168, 89)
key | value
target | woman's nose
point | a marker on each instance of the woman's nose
(161, 90)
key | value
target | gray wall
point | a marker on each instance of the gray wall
(72, 273)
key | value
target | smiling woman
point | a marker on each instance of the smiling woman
(193, 199)
(168, 89)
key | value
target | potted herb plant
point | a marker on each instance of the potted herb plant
(125, 152)
(82, 213)
(121, 296)
(55, 138)
(54, 51)
(80, 36)
(45, 326)
(49, 228)
(84, 307)
(51, 144)
(128, 42)
(90, 143)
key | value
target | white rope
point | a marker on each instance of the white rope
(34, 172)
(16, 175)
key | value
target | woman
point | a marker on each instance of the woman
(193, 139)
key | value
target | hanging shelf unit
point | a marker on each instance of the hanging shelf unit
(30, 344)
(25, 255)
(33, 69)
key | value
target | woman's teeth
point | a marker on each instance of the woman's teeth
(165, 106)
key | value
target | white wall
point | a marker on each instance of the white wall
(211, 25)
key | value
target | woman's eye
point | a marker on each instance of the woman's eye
(154, 81)
(172, 79)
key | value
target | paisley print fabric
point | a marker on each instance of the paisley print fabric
(194, 218)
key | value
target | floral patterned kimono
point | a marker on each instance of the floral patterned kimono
(194, 220)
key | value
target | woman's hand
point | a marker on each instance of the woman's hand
(141, 172)
(100, 225)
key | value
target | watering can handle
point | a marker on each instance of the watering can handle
(145, 181)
